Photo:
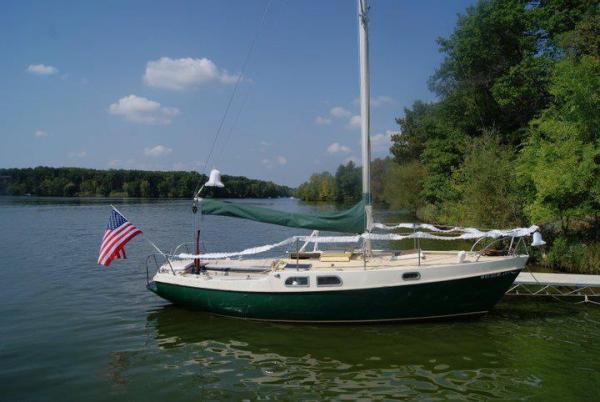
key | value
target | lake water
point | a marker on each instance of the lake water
(72, 330)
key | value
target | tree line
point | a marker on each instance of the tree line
(70, 182)
(343, 187)
(514, 135)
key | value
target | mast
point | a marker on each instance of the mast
(363, 44)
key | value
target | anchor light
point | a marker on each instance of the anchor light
(214, 179)
(537, 240)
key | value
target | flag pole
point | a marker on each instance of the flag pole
(143, 235)
(115, 208)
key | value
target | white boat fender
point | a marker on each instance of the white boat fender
(460, 257)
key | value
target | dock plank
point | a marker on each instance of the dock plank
(575, 280)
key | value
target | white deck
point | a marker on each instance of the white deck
(557, 285)
(546, 279)
(378, 261)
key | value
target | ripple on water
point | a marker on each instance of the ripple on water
(70, 328)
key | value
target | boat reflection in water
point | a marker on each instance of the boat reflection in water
(443, 359)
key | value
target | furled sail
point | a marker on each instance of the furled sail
(349, 221)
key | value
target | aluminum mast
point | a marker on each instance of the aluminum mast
(363, 42)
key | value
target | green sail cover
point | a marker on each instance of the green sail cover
(349, 221)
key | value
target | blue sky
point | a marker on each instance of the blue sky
(137, 84)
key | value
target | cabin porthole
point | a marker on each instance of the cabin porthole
(411, 276)
(329, 280)
(297, 281)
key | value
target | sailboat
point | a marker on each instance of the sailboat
(357, 283)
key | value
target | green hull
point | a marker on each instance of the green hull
(468, 296)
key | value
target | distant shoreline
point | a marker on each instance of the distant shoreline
(81, 182)
(115, 197)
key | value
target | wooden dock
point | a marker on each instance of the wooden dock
(557, 285)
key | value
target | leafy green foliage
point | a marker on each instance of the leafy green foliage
(514, 136)
(348, 182)
(345, 186)
(320, 187)
(404, 185)
(68, 182)
(561, 160)
(573, 256)
(486, 186)
(491, 68)
(528, 73)
(419, 124)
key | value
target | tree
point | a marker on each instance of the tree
(348, 182)
(486, 186)
(494, 45)
(501, 75)
(145, 189)
(69, 190)
(418, 125)
(561, 160)
(379, 168)
(90, 182)
(404, 185)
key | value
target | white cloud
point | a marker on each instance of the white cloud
(114, 163)
(336, 147)
(379, 139)
(138, 109)
(336, 112)
(377, 101)
(339, 112)
(265, 143)
(382, 142)
(78, 154)
(41, 69)
(269, 163)
(354, 122)
(322, 121)
(185, 73)
(40, 134)
(157, 150)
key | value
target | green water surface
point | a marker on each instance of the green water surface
(71, 330)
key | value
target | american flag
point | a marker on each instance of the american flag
(118, 232)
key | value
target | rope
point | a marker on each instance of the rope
(349, 239)
(237, 83)
(441, 228)
(154, 245)
(235, 121)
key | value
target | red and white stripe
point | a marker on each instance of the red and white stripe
(114, 241)
(121, 253)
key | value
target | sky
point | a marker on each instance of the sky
(145, 85)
